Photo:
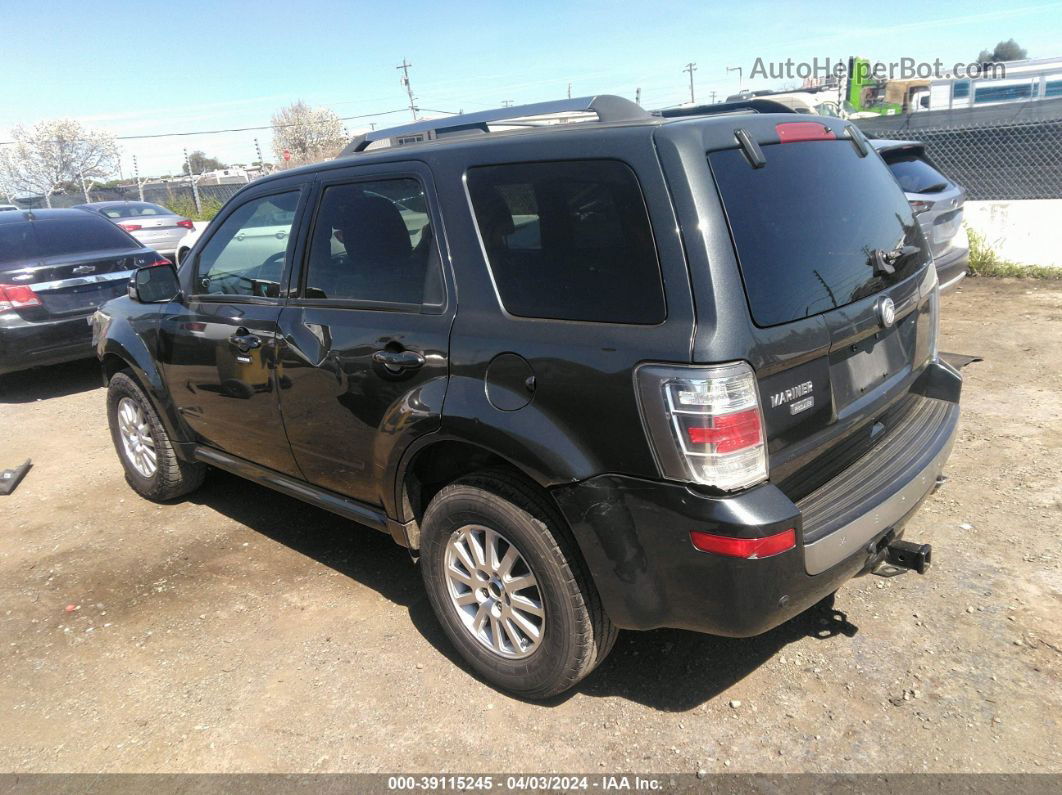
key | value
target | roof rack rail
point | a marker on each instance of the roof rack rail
(741, 106)
(607, 107)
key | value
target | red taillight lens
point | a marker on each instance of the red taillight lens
(793, 131)
(705, 423)
(17, 296)
(158, 262)
(131, 227)
(186, 224)
(730, 432)
(751, 548)
(920, 206)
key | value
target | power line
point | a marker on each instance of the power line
(237, 129)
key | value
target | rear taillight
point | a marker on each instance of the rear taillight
(131, 227)
(186, 224)
(919, 206)
(705, 423)
(17, 296)
(159, 262)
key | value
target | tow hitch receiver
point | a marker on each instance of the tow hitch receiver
(901, 556)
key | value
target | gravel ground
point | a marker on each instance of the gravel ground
(240, 630)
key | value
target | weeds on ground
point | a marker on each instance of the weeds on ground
(185, 206)
(985, 261)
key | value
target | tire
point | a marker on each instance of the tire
(179, 255)
(575, 635)
(170, 477)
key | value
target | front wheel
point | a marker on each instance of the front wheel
(509, 588)
(152, 467)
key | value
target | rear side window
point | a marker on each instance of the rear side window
(569, 240)
(914, 173)
(811, 226)
(373, 241)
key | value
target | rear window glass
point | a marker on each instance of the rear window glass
(134, 210)
(569, 240)
(811, 226)
(76, 235)
(915, 174)
(17, 243)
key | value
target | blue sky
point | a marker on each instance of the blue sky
(148, 66)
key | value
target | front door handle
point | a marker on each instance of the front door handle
(397, 361)
(245, 341)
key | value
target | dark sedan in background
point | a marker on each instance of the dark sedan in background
(152, 224)
(937, 203)
(56, 267)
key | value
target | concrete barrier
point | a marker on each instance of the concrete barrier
(1026, 232)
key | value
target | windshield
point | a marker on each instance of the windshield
(816, 228)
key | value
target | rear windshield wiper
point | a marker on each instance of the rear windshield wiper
(885, 261)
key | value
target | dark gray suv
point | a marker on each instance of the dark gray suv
(595, 368)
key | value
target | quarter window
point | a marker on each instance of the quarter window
(569, 240)
(248, 253)
(373, 241)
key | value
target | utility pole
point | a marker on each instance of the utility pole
(738, 70)
(569, 89)
(261, 163)
(195, 188)
(691, 67)
(409, 87)
(638, 96)
(713, 97)
(507, 103)
(136, 175)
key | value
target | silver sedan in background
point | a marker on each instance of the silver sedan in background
(152, 224)
(937, 202)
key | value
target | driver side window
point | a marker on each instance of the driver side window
(248, 253)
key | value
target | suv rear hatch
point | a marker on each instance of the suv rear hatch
(56, 268)
(842, 303)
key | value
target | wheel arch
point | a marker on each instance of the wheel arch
(117, 357)
(438, 460)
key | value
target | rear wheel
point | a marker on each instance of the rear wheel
(152, 467)
(508, 587)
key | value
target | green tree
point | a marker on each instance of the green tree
(201, 163)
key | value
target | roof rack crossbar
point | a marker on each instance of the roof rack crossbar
(608, 108)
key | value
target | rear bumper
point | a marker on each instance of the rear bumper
(24, 344)
(952, 267)
(635, 537)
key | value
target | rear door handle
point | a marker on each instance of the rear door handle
(245, 341)
(397, 361)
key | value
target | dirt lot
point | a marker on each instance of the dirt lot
(240, 630)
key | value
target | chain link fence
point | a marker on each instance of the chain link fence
(178, 196)
(997, 154)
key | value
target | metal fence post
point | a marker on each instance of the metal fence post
(195, 188)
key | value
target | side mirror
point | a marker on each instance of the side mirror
(155, 284)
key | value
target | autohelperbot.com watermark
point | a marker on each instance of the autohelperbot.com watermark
(862, 69)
